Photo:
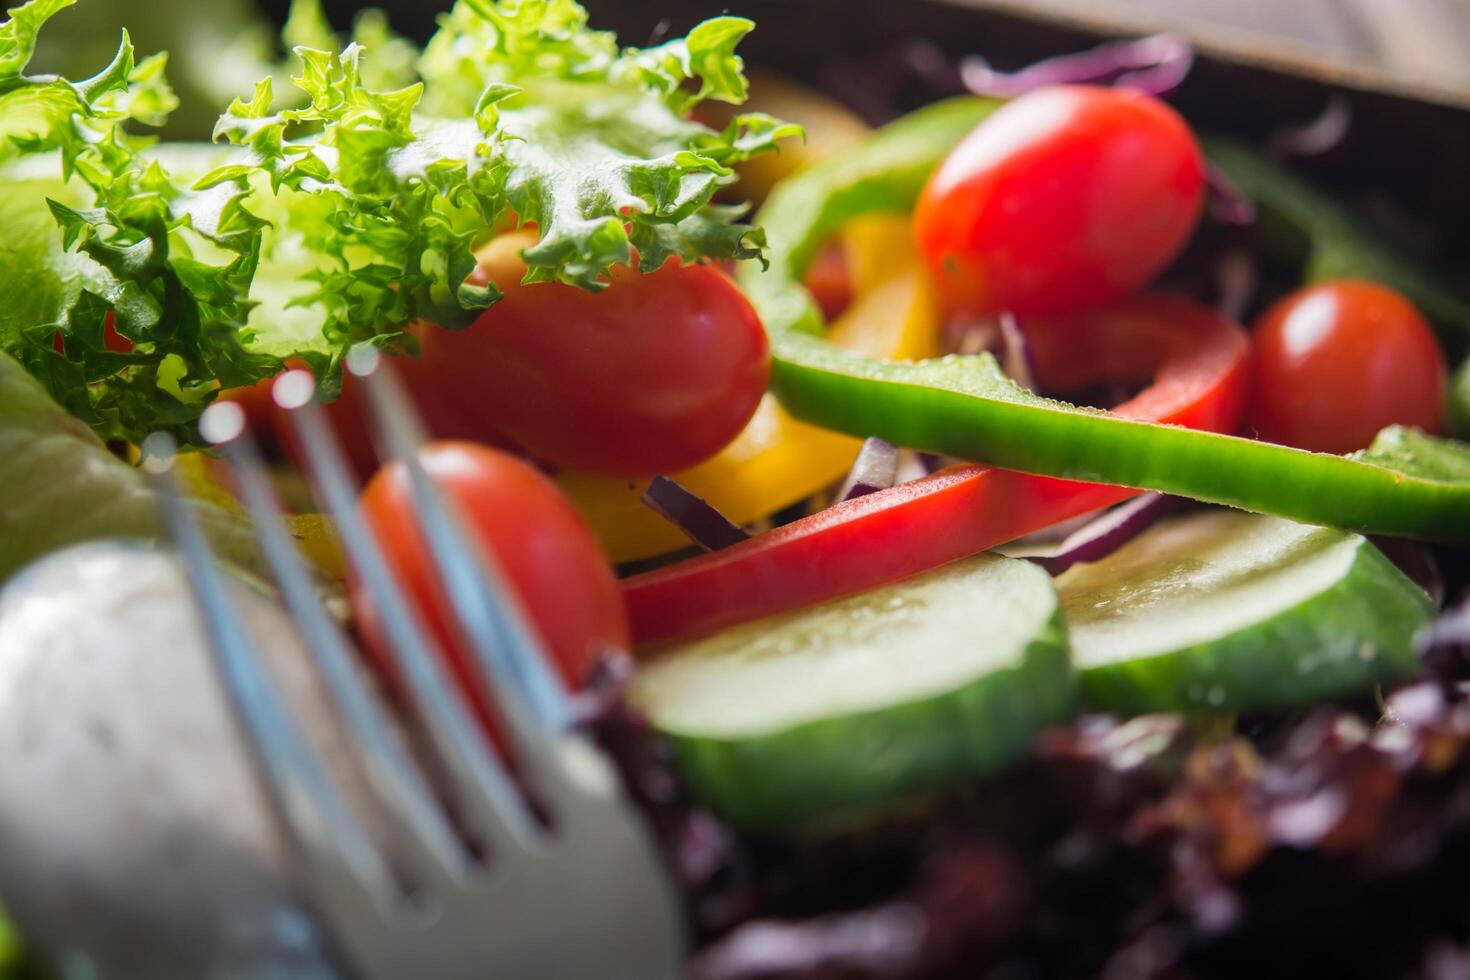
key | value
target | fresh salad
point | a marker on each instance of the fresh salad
(1015, 538)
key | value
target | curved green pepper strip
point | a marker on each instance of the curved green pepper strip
(965, 406)
(1460, 401)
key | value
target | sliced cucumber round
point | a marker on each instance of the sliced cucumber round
(816, 718)
(1228, 610)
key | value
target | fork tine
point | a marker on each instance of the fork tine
(492, 806)
(512, 668)
(430, 845)
(309, 801)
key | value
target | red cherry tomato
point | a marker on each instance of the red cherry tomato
(255, 401)
(111, 339)
(549, 556)
(1064, 198)
(653, 374)
(1337, 361)
(349, 414)
(829, 281)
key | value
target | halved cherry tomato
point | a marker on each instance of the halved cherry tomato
(550, 559)
(1064, 198)
(653, 374)
(1337, 361)
(1198, 360)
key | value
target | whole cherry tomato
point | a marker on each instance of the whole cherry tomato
(653, 374)
(551, 560)
(1064, 198)
(1337, 361)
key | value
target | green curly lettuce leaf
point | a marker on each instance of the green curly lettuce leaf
(118, 246)
(350, 207)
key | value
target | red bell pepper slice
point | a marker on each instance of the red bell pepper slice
(1197, 360)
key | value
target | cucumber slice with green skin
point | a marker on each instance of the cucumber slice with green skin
(816, 719)
(1225, 610)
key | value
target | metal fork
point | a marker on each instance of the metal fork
(473, 885)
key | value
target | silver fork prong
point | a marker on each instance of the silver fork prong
(511, 665)
(313, 807)
(429, 844)
(490, 803)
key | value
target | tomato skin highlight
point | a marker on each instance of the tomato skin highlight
(654, 374)
(1064, 198)
(549, 558)
(1338, 361)
(1199, 361)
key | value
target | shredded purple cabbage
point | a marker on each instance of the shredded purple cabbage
(1001, 336)
(1156, 65)
(1109, 532)
(1321, 135)
(967, 892)
(1227, 204)
(1446, 644)
(1237, 280)
(1015, 357)
(871, 85)
(876, 468)
(693, 515)
(702, 854)
(1330, 845)
(934, 462)
(1326, 843)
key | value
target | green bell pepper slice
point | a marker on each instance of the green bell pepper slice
(965, 405)
(1460, 401)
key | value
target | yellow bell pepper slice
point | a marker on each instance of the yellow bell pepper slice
(777, 461)
(315, 534)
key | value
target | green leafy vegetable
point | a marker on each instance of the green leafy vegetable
(1460, 400)
(350, 210)
(147, 277)
(967, 407)
(307, 26)
(61, 486)
(217, 49)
